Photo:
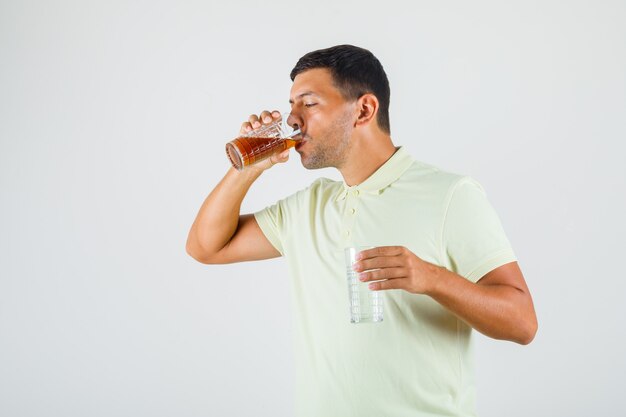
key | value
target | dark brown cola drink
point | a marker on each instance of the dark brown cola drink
(244, 151)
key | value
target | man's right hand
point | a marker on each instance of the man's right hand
(255, 122)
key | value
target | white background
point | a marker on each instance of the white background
(113, 119)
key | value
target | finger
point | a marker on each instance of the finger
(381, 251)
(265, 117)
(378, 262)
(385, 273)
(254, 121)
(245, 127)
(391, 284)
(276, 115)
(282, 157)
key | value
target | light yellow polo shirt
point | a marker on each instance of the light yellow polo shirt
(418, 361)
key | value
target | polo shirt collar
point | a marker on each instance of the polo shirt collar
(389, 172)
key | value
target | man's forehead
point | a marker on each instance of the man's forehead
(313, 82)
(302, 95)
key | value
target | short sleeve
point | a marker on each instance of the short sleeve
(282, 217)
(271, 221)
(473, 239)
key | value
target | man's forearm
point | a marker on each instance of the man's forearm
(218, 217)
(498, 311)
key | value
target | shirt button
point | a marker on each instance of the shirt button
(352, 211)
(347, 233)
(356, 192)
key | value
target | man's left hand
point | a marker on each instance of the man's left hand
(398, 267)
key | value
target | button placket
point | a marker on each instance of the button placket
(349, 216)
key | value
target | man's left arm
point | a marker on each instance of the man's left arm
(499, 305)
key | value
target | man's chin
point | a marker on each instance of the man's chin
(311, 163)
(308, 164)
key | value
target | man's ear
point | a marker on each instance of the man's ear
(367, 108)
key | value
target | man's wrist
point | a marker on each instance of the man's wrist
(247, 174)
(438, 278)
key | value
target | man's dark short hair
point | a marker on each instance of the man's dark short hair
(355, 71)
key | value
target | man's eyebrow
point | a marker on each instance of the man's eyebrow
(306, 93)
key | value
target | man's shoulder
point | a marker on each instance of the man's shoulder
(324, 183)
(321, 186)
(434, 177)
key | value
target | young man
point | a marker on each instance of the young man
(446, 263)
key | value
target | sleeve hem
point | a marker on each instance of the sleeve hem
(501, 258)
(264, 223)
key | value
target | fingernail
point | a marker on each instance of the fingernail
(371, 286)
(361, 277)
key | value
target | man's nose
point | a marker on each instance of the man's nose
(295, 120)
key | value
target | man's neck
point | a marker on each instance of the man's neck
(367, 154)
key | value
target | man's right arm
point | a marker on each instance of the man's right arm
(219, 234)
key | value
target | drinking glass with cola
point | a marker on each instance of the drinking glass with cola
(263, 142)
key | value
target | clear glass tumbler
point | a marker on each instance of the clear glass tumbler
(366, 306)
(261, 143)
